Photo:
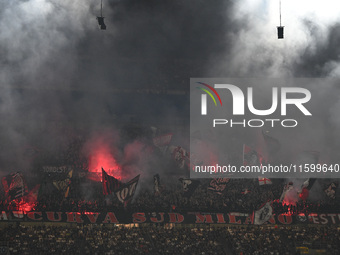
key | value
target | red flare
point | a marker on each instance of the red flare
(100, 158)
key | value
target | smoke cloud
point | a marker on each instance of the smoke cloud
(61, 76)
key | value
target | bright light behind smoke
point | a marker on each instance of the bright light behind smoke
(255, 46)
(293, 13)
(327, 11)
(102, 157)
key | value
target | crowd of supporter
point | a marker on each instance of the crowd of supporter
(97, 239)
(238, 195)
(283, 240)
(172, 198)
(235, 195)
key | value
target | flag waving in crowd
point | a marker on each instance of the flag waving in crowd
(264, 181)
(180, 156)
(64, 185)
(32, 196)
(110, 183)
(218, 185)
(126, 191)
(14, 186)
(189, 186)
(123, 191)
(331, 190)
(305, 188)
(287, 188)
(263, 214)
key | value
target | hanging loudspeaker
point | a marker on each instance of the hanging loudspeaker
(280, 32)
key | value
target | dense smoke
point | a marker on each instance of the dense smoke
(62, 77)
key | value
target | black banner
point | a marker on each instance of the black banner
(124, 217)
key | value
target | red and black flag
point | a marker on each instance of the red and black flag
(14, 186)
(218, 185)
(127, 190)
(110, 183)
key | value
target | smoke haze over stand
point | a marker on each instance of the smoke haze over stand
(58, 69)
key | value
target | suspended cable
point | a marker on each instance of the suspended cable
(280, 12)
(100, 19)
(101, 10)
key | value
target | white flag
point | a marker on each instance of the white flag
(263, 214)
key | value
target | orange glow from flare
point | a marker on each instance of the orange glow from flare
(26, 207)
(100, 158)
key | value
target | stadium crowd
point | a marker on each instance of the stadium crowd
(95, 239)
(234, 195)
(240, 195)
(283, 240)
